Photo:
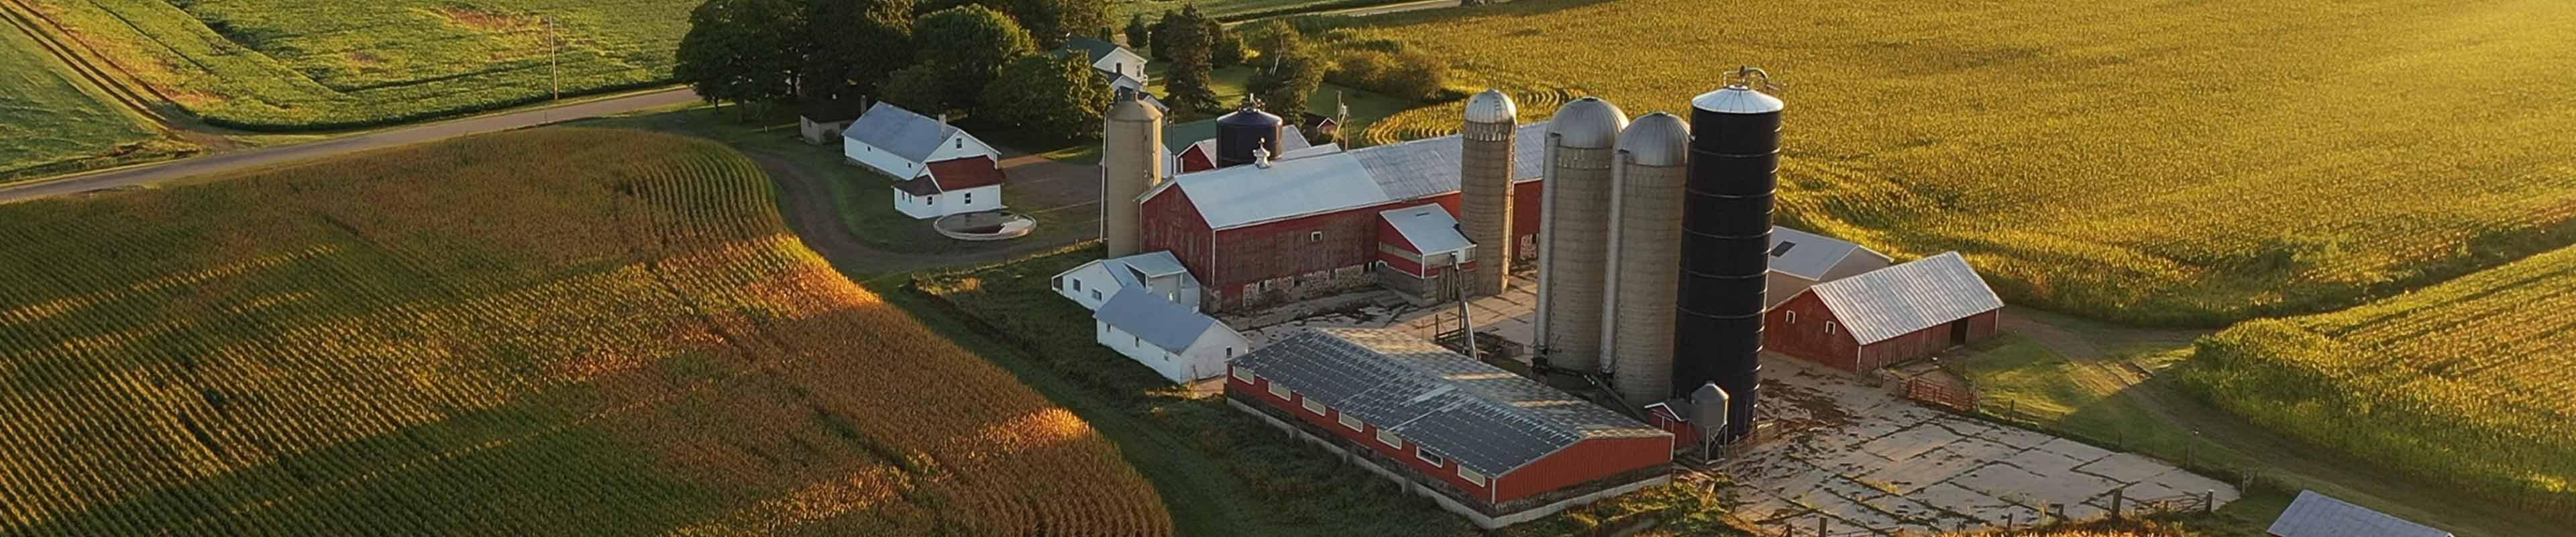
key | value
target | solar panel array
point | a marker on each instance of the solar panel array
(1485, 418)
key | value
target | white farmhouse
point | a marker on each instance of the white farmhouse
(939, 170)
(1800, 260)
(1158, 273)
(1113, 61)
(1180, 343)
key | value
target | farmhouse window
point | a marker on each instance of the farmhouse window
(1471, 476)
(1278, 390)
(970, 198)
(1427, 456)
(1314, 406)
(961, 143)
(1390, 438)
(930, 199)
(1351, 421)
(1077, 284)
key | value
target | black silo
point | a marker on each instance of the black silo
(1245, 129)
(1726, 223)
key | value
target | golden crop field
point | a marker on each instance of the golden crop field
(2465, 382)
(297, 65)
(548, 332)
(2140, 160)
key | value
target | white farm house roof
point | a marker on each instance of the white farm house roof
(901, 132)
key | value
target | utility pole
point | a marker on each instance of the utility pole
(554, 69)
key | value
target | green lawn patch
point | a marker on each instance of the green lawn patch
(56, 123)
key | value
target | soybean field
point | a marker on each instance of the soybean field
(2174, 163)
(2462, 383)
(55, 122)
(547, 332)
(284, 65)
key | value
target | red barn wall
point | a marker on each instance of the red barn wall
(1526, 196)
(1806, 338)
(1367, 436)
(1925, 342)
(1226, 261)
(1581, 462)
(1172, 222)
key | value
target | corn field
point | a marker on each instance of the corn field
(550, 332)
(2464, 383)
(283, 65)
(2192, 163)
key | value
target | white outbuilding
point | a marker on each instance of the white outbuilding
(1158, 273)
(903, 144)
(1176, 341)
(1113, 61)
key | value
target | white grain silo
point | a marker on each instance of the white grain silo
(1574, 231)
(1648, 175)
(1485, 189)
(1131, 162)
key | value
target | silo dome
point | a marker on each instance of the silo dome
(1737, 99)
(1588, 122)
(1657, 139)
(1492, 106)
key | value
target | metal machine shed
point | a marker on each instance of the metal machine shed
(1148, 316)
(1886, 316)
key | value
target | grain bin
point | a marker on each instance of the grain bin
(1485, 189)
(1647, 176)
(1726, 223)
(1245, 129)
(1574, 231)
(1131, 162)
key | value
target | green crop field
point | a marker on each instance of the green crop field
(55, 123)
(294, 65)
(2464, 382)
(547, 332)
(2189, 163)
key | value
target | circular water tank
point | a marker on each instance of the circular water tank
(1243, 130)
(1492, 106)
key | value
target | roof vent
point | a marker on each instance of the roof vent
(1261, 157)
(1782, 249)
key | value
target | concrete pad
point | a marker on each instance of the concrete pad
(1964, 426)
(2001, 481)
(1906, 444)
(1765, 506)
(2126, 467)
(2043, 462)
(1981, 449)
(1851, 514)
(2072, 449)
(2194, 483)
(2019, 437)
(1922, 471)
(1854, 463)
(1910, 511)
(1985, 510)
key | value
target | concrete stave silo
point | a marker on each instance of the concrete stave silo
(1485, 189)
(1131, 162)
(1726, 222)
(1648, 177)
(1574, 231)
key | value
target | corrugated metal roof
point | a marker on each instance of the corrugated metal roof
(1899, 300)
(1243, 195)
(1485, 418)
(2318, 515)
(1154, 264)
(1428, 227)
(895, 130)
(1807, 255)
(1136, 310)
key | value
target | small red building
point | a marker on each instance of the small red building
(1887, 316)
(1417, 247)
(1481, 441)
(1307, 226)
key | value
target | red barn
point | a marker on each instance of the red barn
(1488, 444)
(1307, 225)
(1887, 316)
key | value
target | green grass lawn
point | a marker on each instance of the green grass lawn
(54, 122)
(1228, 9)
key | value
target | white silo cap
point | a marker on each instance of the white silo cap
(1737, 99)
(1492, 106)
(1588, 122)
(1657, 139)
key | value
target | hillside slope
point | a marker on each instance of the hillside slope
(550, 332)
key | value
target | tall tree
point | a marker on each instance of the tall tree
(1051, 22)
(1287, 81)
(1140, 37)
(1158, 41)
(1055, 95)
(1185, 82)
(1224, 48)
(742, 50)
(854, 46)
(967, 46)
(916, 88)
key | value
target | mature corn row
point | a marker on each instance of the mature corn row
(2462, 382)
(533, 333)
(2191, 163)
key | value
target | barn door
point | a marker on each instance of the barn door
(1959, 332)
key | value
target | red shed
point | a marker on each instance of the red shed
(1307, 225)
(1887, 316)
(1481, 441)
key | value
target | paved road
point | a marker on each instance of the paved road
(1394, 8)
(224, 162)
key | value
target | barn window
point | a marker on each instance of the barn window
(1077, 284)
(1278, 390)
(1793, 316)
(1390, 438)
(1229, 353)
(1095, 294)
(1829, 327)
(961, 143)
(1242, 373)
(930, 199)
(1315, 406)
(1315, 236)
(1471, 476)
(1351, 421)
(1427, 456)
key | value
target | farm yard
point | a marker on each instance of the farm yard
(275, 65)
(2462, 383)
(54, 122)
(2140, 161)
(536, 332)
